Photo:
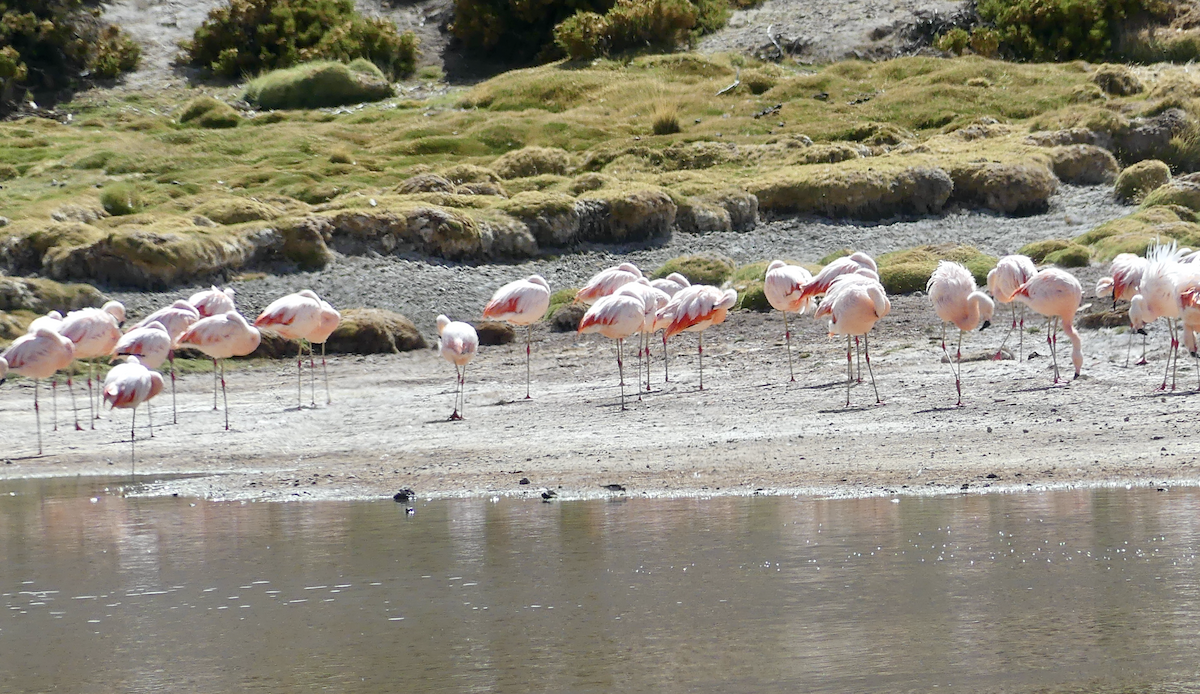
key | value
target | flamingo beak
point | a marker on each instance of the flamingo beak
(986, 324)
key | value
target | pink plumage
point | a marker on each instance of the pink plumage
(1056, 294)
(221, 337)
(457, 343)
(854, 304)
(698, 307)
(616, 316)
(293, 316)
(94, 331)
(150, 344)
(213, 301)
(38, 355)
(130, 384)
(522, 302)
(175, 319)
(855, 263)
(607, 281)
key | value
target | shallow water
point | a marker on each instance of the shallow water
(1065, 591)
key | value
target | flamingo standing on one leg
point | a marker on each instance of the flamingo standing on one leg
(652, 299)
(956, 300)
(1159, 296)
(150, 344)
(95, 331)
(671, 284)
(213, 301)
(854, 304)
(606, 282)
(783, 285)
(1055, 294)
(1010, 273)
(522, 302)
(616, 317)
(330, 319)
(857, 263)
(457, 343)
(221, 337)
(129, 385)
(294, 317)
(38, 355)
(696, 309)
(53, 321)
(1123, 284)
(176, 319)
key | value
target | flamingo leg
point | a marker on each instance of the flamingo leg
(224, 398)
(174, 411)
(91, 407)
(958, 374)
(54, 401)
(300, 376)
(950, 362)
(701, 353)
(849, 368)
(867, 357)
(1000, 350)
(37, 414)
(132, 442)
(214, 385)
(787, 337)
(1021, 348)
(1175, 351)
(649, 336)
(1142, 361)
(457, 379)
(74, 407)
(1052, 340)
(621, 371)
(528, 340)
(312, 374)
(641, 353)
(666, 360)
(1167, 370)
(857, 360)
(325, 370)
(150, 418)
(1128, 346)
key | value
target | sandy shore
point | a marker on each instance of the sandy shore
(749, 431)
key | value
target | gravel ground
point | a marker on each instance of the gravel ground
(421, 289)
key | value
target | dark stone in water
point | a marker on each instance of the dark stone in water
(404, 495)
(614, 487)
(549, 494)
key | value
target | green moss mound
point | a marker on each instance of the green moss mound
(699, 269)
(532, 161)
(908, 271)
(1071, 256)
(39, 295)
(207, 112)
(1138, 180)
(121, 199)
(250, 36)
(1038, 250)
(1138, 231)
(751, 296)
(1184, 191)
(374, 331)
(318, 85)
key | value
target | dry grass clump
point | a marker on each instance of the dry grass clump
(532, 161)
(121, 199)
(207, 112)
(1117, 80)
(1184, 191)
(374, 331)
(665, 120)
(318, 85)
(40, 296)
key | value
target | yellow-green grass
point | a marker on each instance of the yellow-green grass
(298, 162)
(699, 269)
(907, 271)
(1136, 232)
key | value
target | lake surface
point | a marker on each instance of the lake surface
(1090, 590)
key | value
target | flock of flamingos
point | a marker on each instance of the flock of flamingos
(622, 303)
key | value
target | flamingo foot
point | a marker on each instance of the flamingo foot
(455, 416)
(1141, 363)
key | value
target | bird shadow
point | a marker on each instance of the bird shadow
(852, 408)
(33, 456)
(1179, 393)
(822, 386)
(443, 420)
(1043, 389)
(936, 410)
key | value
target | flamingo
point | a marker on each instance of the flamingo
(1159, 296)
(150, 344)
(330, 320)
(95, 331)
(616, 317)
(129, 385)
(697, 308)
(652, 299)
(854, 303)
(213, 301)
(782, 285)
(457, 343)
(522, 302)
(53, 321)
(221, 337)
(1122, 285)
(956, 300)
(1056, 294)
(1010, 273)
(38, 355)
(294, 317)
(1189, 300)
(176, 319)
(3, 370)
(857, 263)
(607, 281)
(671, 283)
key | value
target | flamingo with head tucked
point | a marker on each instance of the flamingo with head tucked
(175, 319)
(53, 320)
(607, 281)
(213, 301)
(38, 355)
(94, 331)
(127, 386)
(696, 309)
(653, 299)
(616, 317)
(854, 304)
(294, 317)
(522, 302)
(1006, 278)
(1056, 294)
(951, 289)
(783, 286)
(221, 337)
(330, 320)
(671, 283)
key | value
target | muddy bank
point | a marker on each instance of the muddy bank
(748, 430)
(422, 289)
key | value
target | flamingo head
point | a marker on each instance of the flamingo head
(116, 310)
(442, 322)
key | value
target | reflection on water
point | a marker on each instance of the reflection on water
(1065, 591)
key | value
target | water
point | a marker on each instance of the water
(1067, 591)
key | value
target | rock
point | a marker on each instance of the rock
(374, 331)
(493, 333)
(614, 487)
(484, 188)
(732, 210)
(1103, 319)
(425, 183)
(856, 193)
(1013, 189)
(566, 318)
(4, 221)
(532, 161)
(1083, 164)
(524, 480)
(77, 213)
(1071, 136)
(552, 218)
(1140, 179)
(607, 216)
(404, 495)
(1117, 80)
(1150, 138)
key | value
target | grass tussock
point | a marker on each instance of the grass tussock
(699, 269)
(907, 271)
(318, 85)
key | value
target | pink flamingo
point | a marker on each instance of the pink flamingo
(38, 355)
(129, 385)
(330, 320)
(652, 299)
(176, 319)
(294, 317)
(150, 344)
(1159, 297)
(95, 331)
(213, 301)
(53, 321)
(1056, 294)
(783, 285)
(457, 343)
(607, 281)
(221, 337)
(956, 300)
(856, 263)
(1127, 270)
(696, 309)
(616, 317)
(522, 302)
(854, 304)
(1010, 273)
(671, 283)
(1189, 300)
